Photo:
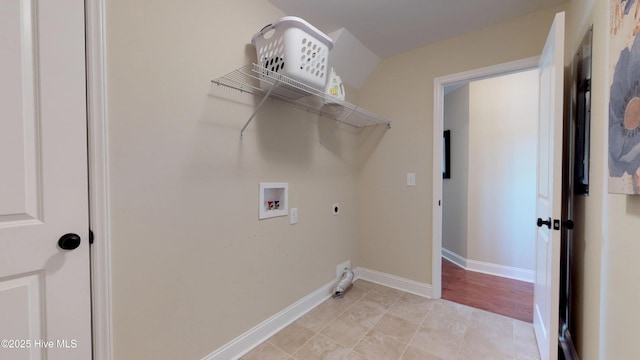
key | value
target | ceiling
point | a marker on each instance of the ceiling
(389, 27)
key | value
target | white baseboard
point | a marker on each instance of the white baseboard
(454, 258)
(254, 337)
(489, 268)
(395, 282)
(502, 270)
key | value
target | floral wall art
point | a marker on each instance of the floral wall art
(624, 97)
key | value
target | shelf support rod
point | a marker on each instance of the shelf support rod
(266, 96)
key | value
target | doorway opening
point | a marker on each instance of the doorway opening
(482, 204)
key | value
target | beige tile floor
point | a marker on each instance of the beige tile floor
(373, 322)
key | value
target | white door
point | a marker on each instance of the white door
(45, 307)
(549, 192)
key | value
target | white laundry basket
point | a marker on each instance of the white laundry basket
(296, 49)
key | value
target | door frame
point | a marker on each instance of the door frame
(439, 84)
(99, 220)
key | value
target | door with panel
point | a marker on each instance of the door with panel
(45, 301)
(549, 192)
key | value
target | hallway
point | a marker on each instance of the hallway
(512, 298)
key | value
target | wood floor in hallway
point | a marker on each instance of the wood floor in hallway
(512, 298)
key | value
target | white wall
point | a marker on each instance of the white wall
(489, 202)
(401, 88)
(184, 267)
(503, 118)
(193, 267)
(606, 286)
(455, 189)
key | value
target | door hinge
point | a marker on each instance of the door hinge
(568, 224)
(90, 237)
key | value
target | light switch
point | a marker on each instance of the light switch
(411, 179)
(293, 216)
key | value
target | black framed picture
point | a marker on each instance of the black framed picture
(446, 155)
(582, 111)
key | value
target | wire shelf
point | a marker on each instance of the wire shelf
(262, 82)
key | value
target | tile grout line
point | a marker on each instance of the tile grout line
(372, 328)
(352, 348)
(368, 329)
(513, 339)
(279, 348)
(316, 333)
(379, 294)
(416, 332)
(464, 336)
(387, 313)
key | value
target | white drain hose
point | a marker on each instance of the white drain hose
(343, 284)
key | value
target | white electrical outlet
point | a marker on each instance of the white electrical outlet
(340, 268)
(411, 179)
(335, 208)
(293, 216)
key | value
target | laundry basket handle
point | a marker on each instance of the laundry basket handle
(266, 29)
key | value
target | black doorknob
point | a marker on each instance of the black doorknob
(69, 241)
(544, 222)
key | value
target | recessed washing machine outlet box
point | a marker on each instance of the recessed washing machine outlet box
(274, 200)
